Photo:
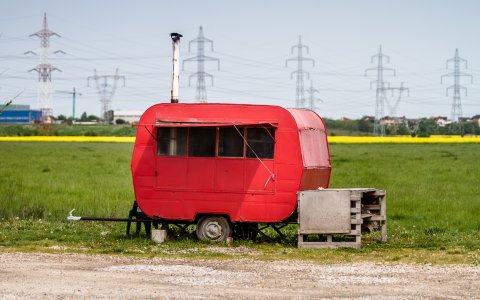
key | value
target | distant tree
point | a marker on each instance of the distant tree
(93, 118)
(468, 128)
(84, 117)
(62, 118)
(426, 127)
(120, 121)
(365, 125)
(402, 130)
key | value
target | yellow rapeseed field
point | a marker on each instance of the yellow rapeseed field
(331, 139)
(403, 139)
(114, 139)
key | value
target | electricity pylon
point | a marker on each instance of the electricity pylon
(105, 90)
(311, 96)
(300, 72)
(200, 58)
(392, 107)
(44, 70)
(382, 87)
(456, 74)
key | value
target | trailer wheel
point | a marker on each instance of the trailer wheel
(213, 228)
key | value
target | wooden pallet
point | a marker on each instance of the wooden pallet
(327, 215)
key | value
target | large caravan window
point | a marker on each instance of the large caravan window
(261, 142)
(172, 141)
(230, 142)
(202, 141)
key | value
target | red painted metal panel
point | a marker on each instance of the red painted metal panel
(230, 174)
(313, 138)
(201, 174)
(171, 172)
(259, 176)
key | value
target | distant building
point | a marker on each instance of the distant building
(129, 116)
(476, 120)
(441, 121)
(15, 107)
(20, 117)
(393, 121)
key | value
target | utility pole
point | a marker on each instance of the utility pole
(312, 99)
(105, 90)
(74, 94)
(456, 74)
(382, 87)
(44, 70)
(200, 58)
(300, 91)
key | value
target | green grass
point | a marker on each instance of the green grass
(46, 180)
(433, 202)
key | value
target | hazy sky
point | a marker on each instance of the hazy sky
(252, 39)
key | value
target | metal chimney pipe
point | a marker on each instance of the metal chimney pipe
(176, 64)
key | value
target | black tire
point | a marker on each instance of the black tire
(245, 231)
(213, 228)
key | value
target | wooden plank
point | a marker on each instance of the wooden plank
(379, 193)
(332, 245)
(355, 210)
(377, 218)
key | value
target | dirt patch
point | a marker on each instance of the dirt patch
(27, 275)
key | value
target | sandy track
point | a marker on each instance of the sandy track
(59, 276)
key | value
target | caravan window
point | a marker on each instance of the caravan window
(261, 141)
(230, 142)
(202, 142)
(172, 141)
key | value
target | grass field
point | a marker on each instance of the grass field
(432, 196)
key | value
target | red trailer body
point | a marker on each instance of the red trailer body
(246, 162)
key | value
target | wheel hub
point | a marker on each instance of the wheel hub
(213, 230)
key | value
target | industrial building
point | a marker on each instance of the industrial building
(19, 114)
(129, 116)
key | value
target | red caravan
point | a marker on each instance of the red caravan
(235, 163)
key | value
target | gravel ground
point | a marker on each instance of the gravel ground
(59, 276)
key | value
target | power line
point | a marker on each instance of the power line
(200, 58)
(300, 90)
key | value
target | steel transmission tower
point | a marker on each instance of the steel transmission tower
(382, 87)
(311, 96)
(44, 70)
(105, 89)
(200, 58)
(456, 74)
(300, 91)
(392, 107)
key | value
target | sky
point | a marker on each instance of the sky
(252, 40)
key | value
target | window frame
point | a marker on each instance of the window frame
(244, 136)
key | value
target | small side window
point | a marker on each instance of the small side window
(230, 142)
(172, 141)
(261, 141)
(202, 142)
